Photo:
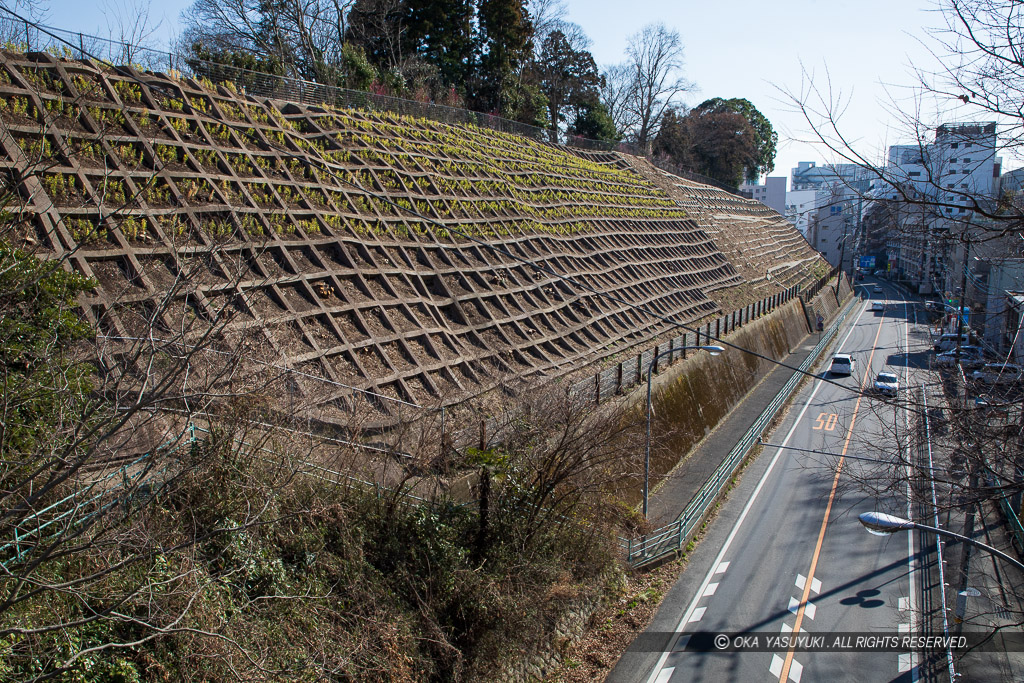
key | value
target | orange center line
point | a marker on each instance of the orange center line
(784, 674)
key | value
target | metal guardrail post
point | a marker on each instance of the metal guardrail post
(699, 504)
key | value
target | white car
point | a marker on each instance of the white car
(998, 373)
(887, 384)
(970, 357)
(842, 364)
(878, 306)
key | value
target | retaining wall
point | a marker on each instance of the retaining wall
(689, 403)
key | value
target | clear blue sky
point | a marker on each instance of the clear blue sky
(740, 48)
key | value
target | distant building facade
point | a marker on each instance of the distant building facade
(800, 209)
(772, 193)
(826, 203)
(942, 179)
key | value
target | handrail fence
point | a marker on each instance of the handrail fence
(671, 537)
(76, 45)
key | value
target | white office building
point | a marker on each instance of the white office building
(950, 174)
(772, 193)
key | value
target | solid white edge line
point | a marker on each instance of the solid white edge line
(653, 678)
(912, 564)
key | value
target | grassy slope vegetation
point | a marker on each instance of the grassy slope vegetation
(345, 235)
(213, 217)
(221, 565)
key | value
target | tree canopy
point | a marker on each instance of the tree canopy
(765, 137)
(715, 141)
(568, 78)
(517, 59)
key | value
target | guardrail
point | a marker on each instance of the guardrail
(926, 427)
(631, 371)
(83, 504)
(1016, 528)
(671, 537)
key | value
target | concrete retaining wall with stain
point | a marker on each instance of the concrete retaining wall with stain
(689, 402)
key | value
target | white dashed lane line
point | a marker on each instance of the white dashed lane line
(809, 608)
(665, 675)
(795, 668)
(697, 615)
(801, 581)
(710, 590)
(721, 568)
(905, 662)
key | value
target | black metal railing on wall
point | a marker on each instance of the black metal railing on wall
(26, 37)
(631, 371)
(811, 290)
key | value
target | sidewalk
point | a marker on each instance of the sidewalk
(672, 494)
(995, 588)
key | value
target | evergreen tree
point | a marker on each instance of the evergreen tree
(765, 137)
(441, 33)
(714, 141)
(506, 45)
(568, 78)
(593, 121)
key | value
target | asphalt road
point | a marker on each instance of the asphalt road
(786, 553)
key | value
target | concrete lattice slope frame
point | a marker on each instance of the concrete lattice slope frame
(305, 224)
(765, 248)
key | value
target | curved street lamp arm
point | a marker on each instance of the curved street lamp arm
(970, 541)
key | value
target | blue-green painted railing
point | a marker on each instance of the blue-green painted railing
(671, 537)
(70, 508)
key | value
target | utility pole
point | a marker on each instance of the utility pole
(960, 305)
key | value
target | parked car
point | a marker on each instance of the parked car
(970, 357)
(947, 342)
(842, 364)
(997, 373)
(878, 306)
(991, 407)
(887, 384)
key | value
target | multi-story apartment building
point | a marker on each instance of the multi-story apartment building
(772, 193)
(945, 181)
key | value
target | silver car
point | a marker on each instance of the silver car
(970, 357)
(842, 364)
(998, 373)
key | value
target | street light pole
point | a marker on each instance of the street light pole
(714, 350)
(882, 523)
